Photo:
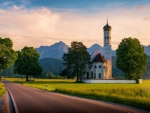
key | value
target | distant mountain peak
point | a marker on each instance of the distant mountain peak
(60, 42)
(58, 49)
(94, 47)
(53, 51)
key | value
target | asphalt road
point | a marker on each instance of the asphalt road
(31, 100)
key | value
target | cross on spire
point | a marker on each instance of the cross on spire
(107, 20)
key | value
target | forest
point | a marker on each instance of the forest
(55, 66)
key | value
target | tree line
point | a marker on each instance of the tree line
(131, 59)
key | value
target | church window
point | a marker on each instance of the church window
(99, 66)
(95, 66)
(99, 75)
(92, 74)
(87, 75)
(105, 37)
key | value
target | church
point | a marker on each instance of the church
(101, 64)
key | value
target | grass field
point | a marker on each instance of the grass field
(137, 95)
(2, 89)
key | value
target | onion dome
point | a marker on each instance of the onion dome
(107, 27)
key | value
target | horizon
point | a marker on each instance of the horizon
(87, 47)
(36, 23)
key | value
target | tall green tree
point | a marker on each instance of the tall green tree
(76, 60)
(131, 58)
(27, 63)
(7, 54)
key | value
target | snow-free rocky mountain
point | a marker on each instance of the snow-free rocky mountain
(147, 50)
(58, 49)
(100, 48)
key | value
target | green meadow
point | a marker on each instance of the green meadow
(2, 89)
(137, 95)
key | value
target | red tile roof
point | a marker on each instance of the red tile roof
(99, 58)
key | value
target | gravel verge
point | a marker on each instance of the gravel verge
(4, 103)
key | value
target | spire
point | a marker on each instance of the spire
(107, 27)
(107, 20)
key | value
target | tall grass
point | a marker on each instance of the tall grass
(137, 95)
(2, 89)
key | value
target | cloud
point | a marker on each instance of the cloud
(140, 7)
(16, 22)
(43, 26)
(147, 18)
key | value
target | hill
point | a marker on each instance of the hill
(51, 65)
(55, 66)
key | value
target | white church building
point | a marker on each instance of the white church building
(102, 64)
(101, 71)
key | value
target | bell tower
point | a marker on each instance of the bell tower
(107, 50)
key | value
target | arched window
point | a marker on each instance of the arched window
(99, 66)
(92, 74)
(87, 75)
(105, 37)
(99, 75)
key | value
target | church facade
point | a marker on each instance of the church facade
(101, 64)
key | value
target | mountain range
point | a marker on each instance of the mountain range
(58, 49)
(54, 51)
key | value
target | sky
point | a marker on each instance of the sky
(44, 22)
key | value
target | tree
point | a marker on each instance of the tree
(49, 75)
(131, 58)
(27, 62)
(76, 60)
(7, 54)
(64, 73)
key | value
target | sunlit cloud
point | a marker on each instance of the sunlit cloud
(44, 26)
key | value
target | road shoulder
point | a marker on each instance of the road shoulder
(4, 103)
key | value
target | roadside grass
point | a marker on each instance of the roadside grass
(137, 95)
(2, 89)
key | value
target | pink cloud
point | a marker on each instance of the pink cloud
(147, 18)
(42, 26)
(140, 7)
